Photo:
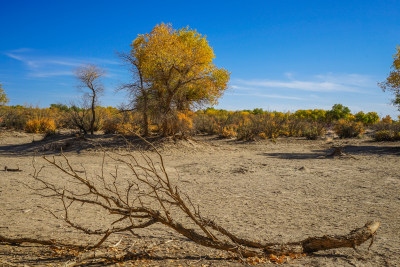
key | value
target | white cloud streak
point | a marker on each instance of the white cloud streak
(300, 85)
(267, 96)
(50, 74)
(325, 83)
(48, 66)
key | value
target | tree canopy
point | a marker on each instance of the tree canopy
(392, 82)
(178, 66)
(338, 112)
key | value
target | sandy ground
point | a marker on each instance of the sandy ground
(276, 191)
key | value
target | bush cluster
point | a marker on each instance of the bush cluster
(385, 135)
(243, 125)
(387, 131)
(257, 124)
(43, 125)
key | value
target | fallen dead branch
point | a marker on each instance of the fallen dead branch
(6, 169)
(148, 196)
(45, 242)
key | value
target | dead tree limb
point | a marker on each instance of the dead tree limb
(148, 196)
(45, 242)
(6, 169)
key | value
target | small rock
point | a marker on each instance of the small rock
(305, 169)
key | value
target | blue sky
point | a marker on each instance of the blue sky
(283, 55)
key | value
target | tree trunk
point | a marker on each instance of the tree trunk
(145, 109)
(93, 113)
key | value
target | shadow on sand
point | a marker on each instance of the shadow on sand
(350, 150)
(54, 144)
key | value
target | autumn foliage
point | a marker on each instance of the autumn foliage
(174, 72)
(42, 125)
(244, 125)
(392, 82)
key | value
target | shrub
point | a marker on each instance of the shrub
(296, 126)
(127, 128)
(267, 125)
(110, 126)
(120, 127)
(228, 132)
(247, 131)
(125, 123)
(384, 125)
(184, 124)
(43, 125)
(372, 118)
(387, 119)
(383, 135)
(204, 123)
(391, 132)
(311, 115)
(14, 117)
(368, 119)
(338, 112)
(348, 129)
(314, 131)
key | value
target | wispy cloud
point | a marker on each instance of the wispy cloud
(50, 74)
(318, 83)
(50, 66)
(268, 96)
(299, 85)
(241, 88)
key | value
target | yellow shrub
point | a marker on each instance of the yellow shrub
(127, 128)
(110, 127)
(43, 125)
(387, 119)
(123, 128)
(348, 129)
(262, 135)
(228, 132)
(184, 123)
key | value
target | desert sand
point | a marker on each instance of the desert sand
(277, 191)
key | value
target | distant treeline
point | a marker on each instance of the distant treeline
(243, 125)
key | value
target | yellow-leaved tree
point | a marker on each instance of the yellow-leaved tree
(392, 82)
(3, 96)
(177, 67)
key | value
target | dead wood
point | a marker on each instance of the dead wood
(6, 169)
(45, 242)
(148, 196)
(326, 242)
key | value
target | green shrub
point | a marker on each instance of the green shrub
(368, 119)
(338, 112)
